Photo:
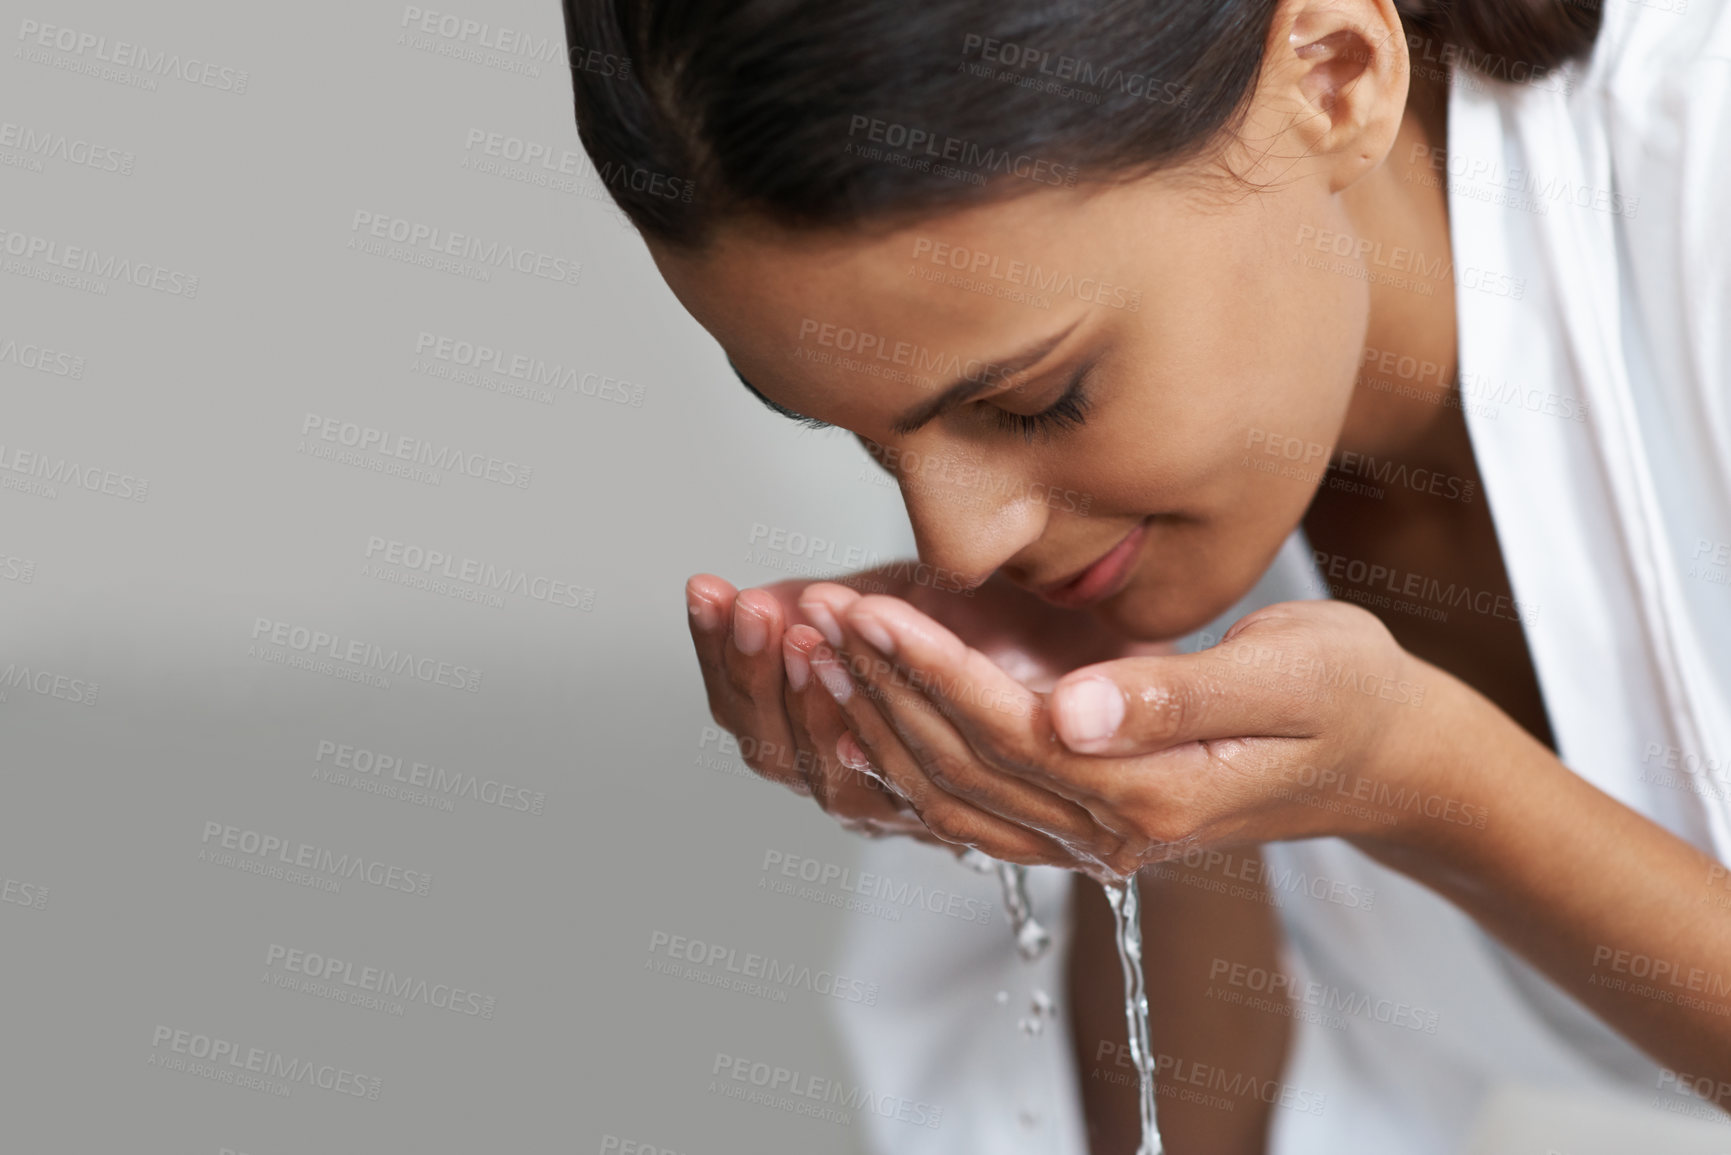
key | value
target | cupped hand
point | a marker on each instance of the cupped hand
(755, 647)
(1307, 719)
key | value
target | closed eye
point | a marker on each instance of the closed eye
(1068, 412)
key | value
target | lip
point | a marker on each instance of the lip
(1100, 580)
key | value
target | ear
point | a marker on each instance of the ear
(1333, 87)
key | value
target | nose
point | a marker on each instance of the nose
(969, 515)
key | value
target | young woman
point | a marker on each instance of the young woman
(1130, 296)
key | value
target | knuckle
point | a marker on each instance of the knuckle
(739, 678)
(951, 823)
(1167, 827)
(1166, 712)
(949, 770)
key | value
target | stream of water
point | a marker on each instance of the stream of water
(1032, 941)
(1127, 914)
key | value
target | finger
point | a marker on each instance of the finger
(1002, 720)
(1142, 705)
(753, 673)
(950, 818)
(839, 788)
(1006, 724)
(948, 760)
(861, 775)
(709, 601)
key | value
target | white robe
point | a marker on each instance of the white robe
(1591, 222)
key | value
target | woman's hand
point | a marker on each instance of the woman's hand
(755, 654)
(1305, 720)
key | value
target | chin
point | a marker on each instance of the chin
(1163, 614)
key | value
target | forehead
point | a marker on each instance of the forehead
(847, 326)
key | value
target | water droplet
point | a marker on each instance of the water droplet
(977, 861)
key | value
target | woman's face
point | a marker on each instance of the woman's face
(1194, 371)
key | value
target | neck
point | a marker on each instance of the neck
(1401, 404)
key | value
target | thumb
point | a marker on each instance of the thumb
(1140, 705)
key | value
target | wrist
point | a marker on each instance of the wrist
(1438, 798)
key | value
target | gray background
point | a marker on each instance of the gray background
(188, 515)
(114, 927)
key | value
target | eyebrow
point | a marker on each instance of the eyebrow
(954, 393)
(965, 388)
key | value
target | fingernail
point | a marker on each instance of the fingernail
(798, 669)
(848, 750)
(1091, 710)
(750, 630)
(834, 678)
(703, 611)
(875, 632)
(823, 620)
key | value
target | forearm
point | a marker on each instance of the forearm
(1218, 1065)
(1612, 907)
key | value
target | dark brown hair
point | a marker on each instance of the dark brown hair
(824, 113)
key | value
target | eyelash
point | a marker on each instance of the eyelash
(1067, 412)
